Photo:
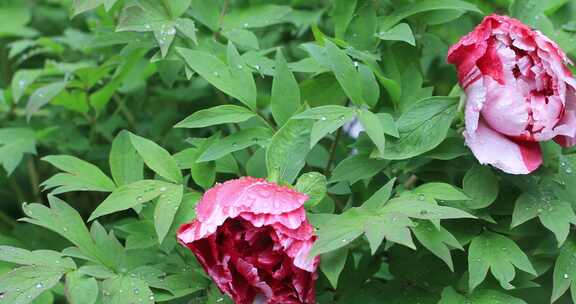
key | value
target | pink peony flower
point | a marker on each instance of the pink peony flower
(519, 92)
(252, 237)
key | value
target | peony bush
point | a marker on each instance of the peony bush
(287, 151)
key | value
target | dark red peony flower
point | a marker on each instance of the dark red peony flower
(252, 237)
(519, 92)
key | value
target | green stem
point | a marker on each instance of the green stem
(332, 152)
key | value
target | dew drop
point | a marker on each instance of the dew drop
(356, 64)
(22, 83)
(246, 24)
(136, 291)
(257, 67)
(323, 118)
(566, 276)
(421, 197)
(344, 240)
(139, 198)
(568, 170)
(216, 74)
(171, 31)
(162, 189)
(39, 285)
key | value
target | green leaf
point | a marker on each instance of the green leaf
(22, 285)
(216, 116)
(499, 254)
(130, 195)
(438, 240)
(237, 82)
(480, 296)
(345, 72)
(565, 270)
(81, 6)
(370, 87)
(425, 6)
(390, 225)
(166, 209)
(207, 13)
(323, 127)
(21, 80)
(123, 289)
(554, 213)
(373, 128)
(46, 258)
(422, 128)
(256, 16)
(66, 221)
(203, 173)
(79, 176)
(157, 158)
(81, 289)
(528, 11)
(342, 15)
(332, 264)
(237, 141)
(481, 185)
(125, 163)
(285, 99)
(355, 168)
(187, 27)
(330, 112)
(417, 207)
(441, 191)
(286, 153)
(14, 143)
(245, 39)
(42, 96)
(312, 184)
(400, 32)
(338, 231)
(380, 197)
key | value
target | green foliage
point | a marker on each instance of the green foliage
(117, 114)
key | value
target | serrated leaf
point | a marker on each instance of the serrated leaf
(499, 254)
(236, 82)
(235, 142)
(126, 165)
(130, 195)
(79, 176)
(166, 209)
(14, 143)
(285, 98)
(286, 153)
(215, 116)
(312, 184)
(157, 158)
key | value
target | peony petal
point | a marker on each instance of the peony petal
(491, 147)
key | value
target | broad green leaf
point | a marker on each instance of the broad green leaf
(177, 8)
(422, 209)
(438, 241)
(203, 173)
(157, 158)
(130, 195)
(166, 208)
(481, 185)
(554, 213)
(79, 176)
(215, 116)
(312, 184)
(140, 16)
(528, 11)
(390, 225)
(207, 13)
(81, 6)
(342, 15)
(323, 127)
(338, 231)
(237, 141)
(422, 128)
(400, 32)
(355, 168)
(245, 39)
(46, 258)
(424, 6)
(380, 197)
(256, 16)
(565, 270)
(373, 128)
(286, 153)
(332, 264)
(187, 27)
(164, 32)
(42, 96)
(285, 99)
(125, 163)
(81, 289)
(124, 289)
(441, 191)
(499, 254)
(14, 143)
(345, 72)
(22, 285)
(480, 296)
(370, 87)
(237, 82)
(331, 112)
(21, 80)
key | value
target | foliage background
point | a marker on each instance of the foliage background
(116, 115)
